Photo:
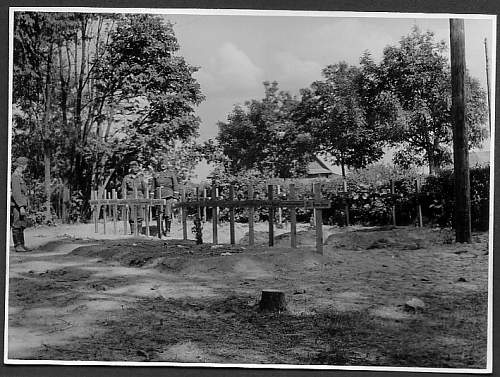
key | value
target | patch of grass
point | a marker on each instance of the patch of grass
(451, 333)
(58, 287)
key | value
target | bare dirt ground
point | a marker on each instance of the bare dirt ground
(86, 296)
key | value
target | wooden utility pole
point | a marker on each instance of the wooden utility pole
(460, 142)
(487, 80)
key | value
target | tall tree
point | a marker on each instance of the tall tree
(333, 110)
(417, 72)
(150, 88)
(36, 36)
(111, 87)
(264, 135)
(184, 157)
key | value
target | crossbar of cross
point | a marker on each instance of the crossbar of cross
(255, 203)
(139, 201)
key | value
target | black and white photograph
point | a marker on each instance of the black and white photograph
(250, 189)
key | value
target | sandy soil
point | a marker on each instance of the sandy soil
(86, 296)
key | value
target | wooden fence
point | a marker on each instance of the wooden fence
(111, 204)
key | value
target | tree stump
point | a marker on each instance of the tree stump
(272, 300)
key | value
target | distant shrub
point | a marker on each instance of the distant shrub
(369, 197)
(438, 198)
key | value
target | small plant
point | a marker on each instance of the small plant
(76, 207)
(197, 230)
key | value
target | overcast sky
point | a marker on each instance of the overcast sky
(237, 53)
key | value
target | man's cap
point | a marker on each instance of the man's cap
(21, 161)
(134, 163)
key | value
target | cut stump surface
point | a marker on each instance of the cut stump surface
(272, 300)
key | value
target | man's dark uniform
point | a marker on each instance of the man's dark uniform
(18, 206)
(131, 181)
(167, 181)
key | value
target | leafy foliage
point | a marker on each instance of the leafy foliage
(438, 195)
(183, 156)
(265, 136)
(94, 91)
(417, 74)
(154, 87)
(369, 196)
(334, 112)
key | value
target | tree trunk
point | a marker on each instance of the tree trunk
(46, 163)
(102, 188)
(45, 127)
(64, 91)
(342, 166)
(66, 202)
(80, 84)
(434, 164)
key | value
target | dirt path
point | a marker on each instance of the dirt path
(140, 299)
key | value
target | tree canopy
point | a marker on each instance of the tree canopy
(417, 73)
(98, 90)
(333, 110)
(264, 135)
(91, 92)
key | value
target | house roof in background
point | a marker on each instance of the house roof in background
(318, 166)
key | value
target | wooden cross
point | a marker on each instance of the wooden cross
(138, 201)
(316, 203)
(114, 203)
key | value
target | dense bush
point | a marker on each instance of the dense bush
(36, 208)
(438, 193)
(480, 198)
(36, 214)
(369, 197)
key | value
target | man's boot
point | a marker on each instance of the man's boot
(167, 225)
(164, 227)
(15, 238)
(17, 235)
(22, 241)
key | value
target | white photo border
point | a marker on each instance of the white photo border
(264, 13)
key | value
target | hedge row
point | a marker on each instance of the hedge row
(370, 203)
(368, 198)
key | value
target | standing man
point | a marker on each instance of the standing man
(134, 181)
(19, 204)
(166, 179)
